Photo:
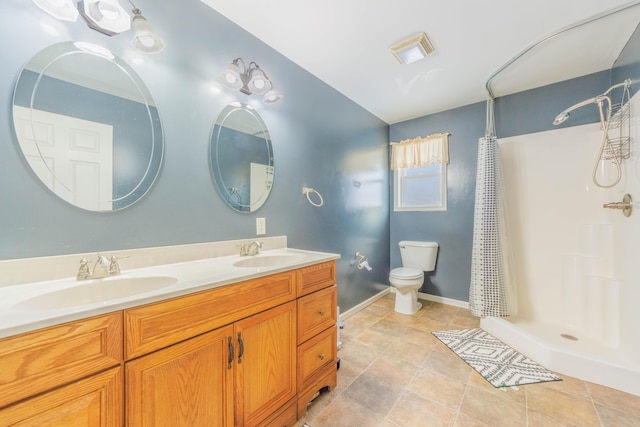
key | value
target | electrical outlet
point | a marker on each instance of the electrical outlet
(261, 226)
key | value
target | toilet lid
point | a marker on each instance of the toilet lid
(406, 273)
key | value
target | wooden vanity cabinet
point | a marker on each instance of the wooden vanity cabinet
(187, 384)
(317, 332)
(266, 363)
(236, 367)
(67, 374)
(249, 354)
(92, 401)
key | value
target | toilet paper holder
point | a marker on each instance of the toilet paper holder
(361, 261)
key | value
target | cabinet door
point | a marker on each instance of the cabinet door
(93, 401)
(188, 384)
(265, 363)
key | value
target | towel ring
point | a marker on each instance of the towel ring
(306, 191)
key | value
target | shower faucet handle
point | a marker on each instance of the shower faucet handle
(626, 205)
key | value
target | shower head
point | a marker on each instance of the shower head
(562, 117)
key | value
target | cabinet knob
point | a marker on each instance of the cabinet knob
(321, 357)
(321, 312)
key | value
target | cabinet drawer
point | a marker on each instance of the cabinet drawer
(317, 312)
(41, 360)
(315, 354)
(93, 401)
(315, 277)
(154, 326)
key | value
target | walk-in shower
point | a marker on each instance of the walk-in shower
(575, 264)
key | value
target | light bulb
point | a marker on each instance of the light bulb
(108, 10)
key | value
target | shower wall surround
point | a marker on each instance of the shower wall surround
(320, 139)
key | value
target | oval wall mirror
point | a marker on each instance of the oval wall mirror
(87, 126)
(241, 158)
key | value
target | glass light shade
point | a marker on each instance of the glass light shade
(231, 76)
(144, 38)
(105, 16)
(272, 97)
(64, 10)
(411, 54)
(259, 83)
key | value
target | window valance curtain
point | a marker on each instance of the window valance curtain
(420, 151)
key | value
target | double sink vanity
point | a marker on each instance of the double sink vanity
(236, 333)
(225, 340)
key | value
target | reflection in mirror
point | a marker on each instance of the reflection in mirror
(241, 158)
(87, 126)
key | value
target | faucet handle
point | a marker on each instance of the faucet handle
(114, 267)
(83, 270)
(243, 249)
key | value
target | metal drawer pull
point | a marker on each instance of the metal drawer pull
(321, 357)
(241, 352)
(230, 353)
(321, 312)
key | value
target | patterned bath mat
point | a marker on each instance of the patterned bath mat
(498, 363)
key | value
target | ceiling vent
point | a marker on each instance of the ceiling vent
(412, 49)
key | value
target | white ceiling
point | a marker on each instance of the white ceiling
(345, 44)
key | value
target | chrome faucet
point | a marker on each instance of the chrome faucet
(102, 268)
(250, 250)
(254, 248)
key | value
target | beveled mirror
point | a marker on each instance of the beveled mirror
(87, 126)
(241, 158)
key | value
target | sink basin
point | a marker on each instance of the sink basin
(96, 291)
(266, 260)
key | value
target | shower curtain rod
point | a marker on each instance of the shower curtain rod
(551, 36)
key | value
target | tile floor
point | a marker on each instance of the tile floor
(393, 372)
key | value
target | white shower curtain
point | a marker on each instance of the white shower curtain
(488, 293)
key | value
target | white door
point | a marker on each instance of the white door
(73, 157)
(260, 185)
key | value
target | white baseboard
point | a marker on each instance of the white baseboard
(423, 296)
(364, 304)
(443, 300)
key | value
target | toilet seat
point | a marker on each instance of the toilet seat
(406, 273)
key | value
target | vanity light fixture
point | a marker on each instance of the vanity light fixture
(249, 80)
(64, 10)
(413, 49)
(144, 38)
(105, 16)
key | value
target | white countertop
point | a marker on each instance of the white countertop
(25, 307)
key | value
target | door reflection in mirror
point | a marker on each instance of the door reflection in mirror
(88, 127)
(241, 158)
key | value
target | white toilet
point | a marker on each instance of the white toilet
(417, 257)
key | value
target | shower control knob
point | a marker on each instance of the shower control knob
(626, 205)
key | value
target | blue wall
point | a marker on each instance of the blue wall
(452, 229)
(320, 139)
(524, 112)
(521, 113)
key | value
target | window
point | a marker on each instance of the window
(422, 188)
(420, 166)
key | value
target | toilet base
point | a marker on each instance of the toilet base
(407, 303)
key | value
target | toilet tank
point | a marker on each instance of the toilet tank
(420, 255)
